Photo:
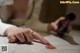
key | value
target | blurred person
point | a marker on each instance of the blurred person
(15, 33)
(26, 13)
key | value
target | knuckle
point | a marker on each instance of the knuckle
(28, 29)
(19, 33)
(9, 35)
(51, 24)
(62, 17)
(24, 31)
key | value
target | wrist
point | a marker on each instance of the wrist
(9, 29)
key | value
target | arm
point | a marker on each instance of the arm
(34, 22)
(16, 33)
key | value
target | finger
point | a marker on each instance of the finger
(11, 38)
(40, 38)
(20, 37)
(28, 36)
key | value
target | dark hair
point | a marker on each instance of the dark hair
(71, 16)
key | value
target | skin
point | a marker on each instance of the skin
(53, 26)
(14, 33)
(19, 8)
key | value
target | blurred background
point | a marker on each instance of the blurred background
(52, 9)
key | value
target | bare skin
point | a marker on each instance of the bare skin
(14, 33)
(19, 10)
(53, 26)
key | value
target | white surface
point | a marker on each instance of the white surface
(61, 45)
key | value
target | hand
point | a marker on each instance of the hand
(54, 25)
(14, 33)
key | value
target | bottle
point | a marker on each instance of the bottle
(63, 25)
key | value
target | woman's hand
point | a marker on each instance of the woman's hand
(23, 34)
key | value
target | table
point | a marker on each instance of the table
(61, 45)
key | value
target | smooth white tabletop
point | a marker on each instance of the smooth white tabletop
(61, 45)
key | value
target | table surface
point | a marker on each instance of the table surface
(61, 45)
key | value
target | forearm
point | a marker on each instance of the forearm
(37, 25)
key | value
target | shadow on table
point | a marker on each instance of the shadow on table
(70, 39)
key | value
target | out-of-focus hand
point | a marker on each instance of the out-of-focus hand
(54, 25)
(23, 34)
(14, 33)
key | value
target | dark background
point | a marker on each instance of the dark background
(52, 9)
